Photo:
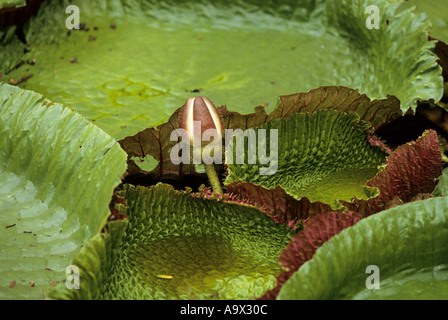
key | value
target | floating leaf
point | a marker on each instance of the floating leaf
(409, 174)
(134, 62)
(179, 246)
(325, 157)
(58, 173)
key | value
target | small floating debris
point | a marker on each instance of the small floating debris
(16, 82)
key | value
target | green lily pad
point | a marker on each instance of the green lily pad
(179, 246)
(134, 62)
(324, 157)
(58, 173)
(408, 244)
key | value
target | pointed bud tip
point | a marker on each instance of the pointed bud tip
(203, 110)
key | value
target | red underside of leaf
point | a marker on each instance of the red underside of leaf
(412, 169)
(377, 142)
(303, 245)
(282, 207)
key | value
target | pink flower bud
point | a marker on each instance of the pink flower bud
(200, 109)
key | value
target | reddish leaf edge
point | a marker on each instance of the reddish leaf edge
(304, 244)
(155, 142)
(409, 170)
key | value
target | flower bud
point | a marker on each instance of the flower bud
(200, 109)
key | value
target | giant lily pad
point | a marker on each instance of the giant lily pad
(325, 157)
(134, 62)
(51, 200)
(408, 244)
(180, 246)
